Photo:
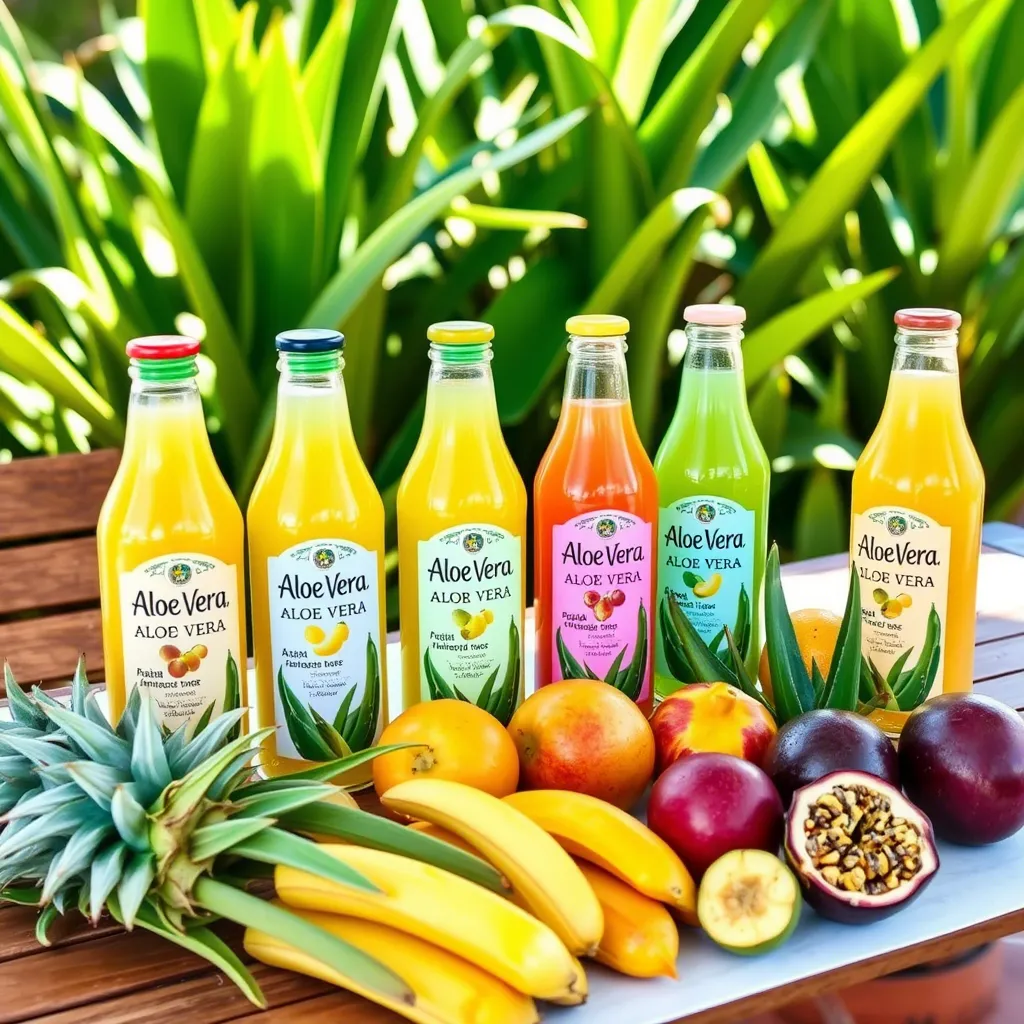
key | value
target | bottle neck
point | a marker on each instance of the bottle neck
(597, 370)
(165, 391)
(460, 383)
(926, 352)
(713, 348)
(311, 396)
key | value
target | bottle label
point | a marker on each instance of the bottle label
(706, 553)
(601, 589)
(471, 606)
(326, 644)
(180, 634)
(902, 559)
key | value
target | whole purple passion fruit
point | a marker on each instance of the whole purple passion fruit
(860, 848)
(962, 761)
(811, 746)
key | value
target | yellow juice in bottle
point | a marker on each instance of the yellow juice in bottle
(316, 565)
(171, 550)
(918, 500)
(462, 536)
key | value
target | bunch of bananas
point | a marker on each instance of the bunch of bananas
(585, 880)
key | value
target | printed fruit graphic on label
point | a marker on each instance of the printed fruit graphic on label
(201, 650)
(962, 762)
(617, 597)
(709, 587)
(586, 736)
(816, 633)
(446, 987)
(417, 898)
(600, 833)
(709, 804)
(892, 609)
(591, 597)
(169, 652)
(314, 635)
(460, 742)
(905, 600)
(879, 595)
(824, 741)
(860, 848)
(334, 642)
(191, 660)
(542, 874)
(711, 718)
(472, 626)
(749, 902)
(603, 609)
(177, 668)
(640, 938)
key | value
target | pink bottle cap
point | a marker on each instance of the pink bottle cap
(928, 318)
(715, 314)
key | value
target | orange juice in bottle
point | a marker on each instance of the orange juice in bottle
(595, 510)
(171, 550)
(316, 565)
(462, 536)
(918, 499)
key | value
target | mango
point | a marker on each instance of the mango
(709, 587)
(334, 642)
(314, 635)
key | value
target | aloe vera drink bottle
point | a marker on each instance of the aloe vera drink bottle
(713, 478)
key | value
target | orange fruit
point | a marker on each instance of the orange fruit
(459, 742)
(816, 632)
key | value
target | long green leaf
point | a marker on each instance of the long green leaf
(669, 134)
(842, 176)
(176, 80)
(286, 193)
(993, 185)
(843, 684)
(791, 685)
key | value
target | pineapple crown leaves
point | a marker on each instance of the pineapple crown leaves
(795, 690)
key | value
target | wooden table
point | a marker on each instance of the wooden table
(105, 976)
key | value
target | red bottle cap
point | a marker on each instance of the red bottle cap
(164, 346)
(927, 318)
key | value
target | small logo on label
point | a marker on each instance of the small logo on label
(704, 512)
(323, 558)
(473, 542)
(179, 573)
(605, 527)
(896, 525)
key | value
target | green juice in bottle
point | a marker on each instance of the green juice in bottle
(713, 483)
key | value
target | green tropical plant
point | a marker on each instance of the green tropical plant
(822, 162)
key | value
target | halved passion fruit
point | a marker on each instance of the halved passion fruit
(860, 848)
(749, 901)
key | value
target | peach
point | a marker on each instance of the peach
(711, 718)
(176, 668)
(584, 735)
(169, 652)
(603, 609)
(591, 597)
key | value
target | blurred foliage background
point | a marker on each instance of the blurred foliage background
(376, 165)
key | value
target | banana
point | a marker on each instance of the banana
(449, 912)
(599, 832)
(448, 989)
(640, 937)
(444, 835)
(540, 871)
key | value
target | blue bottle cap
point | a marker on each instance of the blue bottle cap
(310, 339)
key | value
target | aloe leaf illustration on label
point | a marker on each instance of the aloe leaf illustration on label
(353, 729)
(501, 701)
(630, 679)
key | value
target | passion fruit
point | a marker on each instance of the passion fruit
(749, 902)
(813, 745)
(861, 850)
(962, 761)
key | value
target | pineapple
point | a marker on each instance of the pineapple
(163, 830)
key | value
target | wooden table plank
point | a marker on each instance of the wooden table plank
(47, 649)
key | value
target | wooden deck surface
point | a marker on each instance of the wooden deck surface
(105, 976)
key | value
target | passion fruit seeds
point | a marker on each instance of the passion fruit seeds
(857, 842)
